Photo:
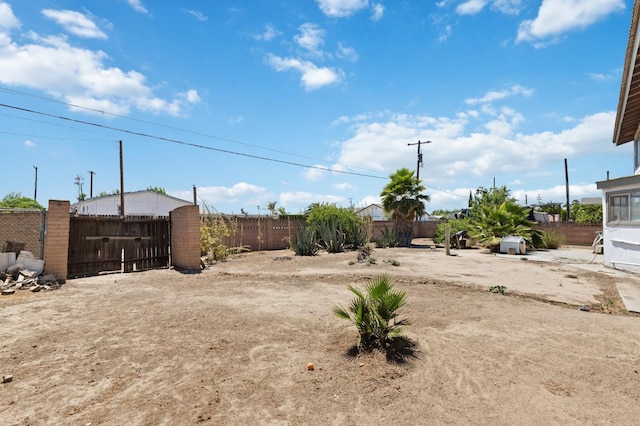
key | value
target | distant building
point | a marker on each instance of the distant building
(591, 201)
(374, 211)
(137, 203)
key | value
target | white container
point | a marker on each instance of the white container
(513, 245)
(6, 260)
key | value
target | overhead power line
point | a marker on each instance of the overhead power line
(151, 123)
(179, 142)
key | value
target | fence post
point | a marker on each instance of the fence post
(56, 239)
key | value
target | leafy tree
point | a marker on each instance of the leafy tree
(586, 213)
(82, 196)
(455, 225)
(155, 189)
(375, 313)
(106, 194)
(15, 200)
(403, 198)
(492, 197)
(271, 206)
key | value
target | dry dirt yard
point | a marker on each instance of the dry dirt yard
(231, 345)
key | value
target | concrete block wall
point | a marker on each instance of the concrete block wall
(56, 240)
(574, 233)
(22, 226)
(185, 238)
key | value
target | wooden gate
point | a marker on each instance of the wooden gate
(109, 244)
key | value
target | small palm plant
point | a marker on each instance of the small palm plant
(374, 313)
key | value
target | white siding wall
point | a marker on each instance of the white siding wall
(621, 242)
(137, 203)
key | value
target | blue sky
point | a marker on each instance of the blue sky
(311, 101)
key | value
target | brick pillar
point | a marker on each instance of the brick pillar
(56, 239)
(185, 237)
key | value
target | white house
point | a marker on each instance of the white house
(621, 196)
(137, 203)
(374, 211)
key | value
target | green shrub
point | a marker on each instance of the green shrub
(456, 225)
(553, 239)
(374, 313)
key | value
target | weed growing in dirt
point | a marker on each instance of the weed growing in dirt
(498, 289)
(393, 262)
(215, 231)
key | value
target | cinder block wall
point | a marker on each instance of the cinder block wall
(185, 237)
(22, 226)
(56, 239)
(574, 233)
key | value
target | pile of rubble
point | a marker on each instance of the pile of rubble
(24, 272)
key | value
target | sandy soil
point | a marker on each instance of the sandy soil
(231, 346)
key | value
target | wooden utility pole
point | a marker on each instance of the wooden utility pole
(91, 173)
(121, 183)
(35, 189)
(566, 179)
(419, 157)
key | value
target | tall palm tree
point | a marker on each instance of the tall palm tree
(403, 198)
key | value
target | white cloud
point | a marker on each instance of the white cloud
(341, 8)
(471, 7)
(137, 6)
(8, 20)
(555, 193)
(343, 186)
(75, 23)
(313, 77)
(378, 12)
(556, 17)
(311, 38)
(236, 120)
(268, 34)
(492, 96)
(213, 195)
(497, 147)
(445, 33)
(80, 76)
(345, 52)
(508, 7)
(197, 14)
(315, 173)
(367, 201)
(29, 144)
(303, 199)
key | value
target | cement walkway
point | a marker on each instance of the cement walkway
(584, 258)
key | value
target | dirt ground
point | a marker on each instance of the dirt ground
(231, 345)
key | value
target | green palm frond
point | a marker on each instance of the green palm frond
(374, 312)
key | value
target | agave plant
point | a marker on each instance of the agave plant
(332, 236)
(304, 243)
(374, 312)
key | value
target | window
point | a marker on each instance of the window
(624, 207)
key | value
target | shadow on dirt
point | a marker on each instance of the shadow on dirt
(399, 351)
